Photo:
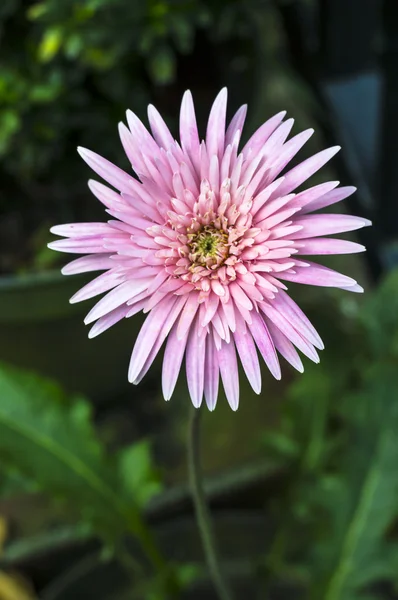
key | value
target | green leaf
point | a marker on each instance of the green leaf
(49, 438)
(364, 504)
(162, 65)
(138, 474)
(50, 44)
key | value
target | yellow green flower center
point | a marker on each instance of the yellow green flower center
(208, 247)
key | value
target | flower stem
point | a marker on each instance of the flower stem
(201, 508)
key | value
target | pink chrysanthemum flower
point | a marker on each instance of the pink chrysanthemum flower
(203, 241)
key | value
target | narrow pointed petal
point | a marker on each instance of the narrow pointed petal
(188, 128)
(304, 170)
(164, 331)
(86, 264)
(285, 347)
(173, 355)
(295, 315)
(211, 381)
(108, 321)
(289, 331)
(319, 225)
(99, 285)
(248, 357)
(236, 124)
(159, 128)
(265, 344)
(319, 246)
(195, 364)
(215, 133)
(318, 275)
(105, 169)
(258, 139)
(188, 314)
(148, 335)
(119, 295)
(330, 198)
(229, 373)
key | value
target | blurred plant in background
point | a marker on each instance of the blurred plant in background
(68, 71)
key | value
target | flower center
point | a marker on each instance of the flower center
(208, 247)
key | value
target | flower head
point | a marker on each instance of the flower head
(203, 241)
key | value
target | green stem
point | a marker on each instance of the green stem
(201, 508)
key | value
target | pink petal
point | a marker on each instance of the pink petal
(289, 331)
(82, 229)
(330, 198)
(317, 225)
(108, 197)
(188, 314)
(229, 312)
(328, 246)
(124, 292)
(215, 133)
(239, 296)
(105, 169)
(195, 364)
(304, 170)
(102, 283)
(85, 245)
(163, 333)
(211, 379)
(236, 124)
(229, 373)
(148, 335)
(132, 149)
(285, 347)
(85, 264)
(173, 355)
(318, 275)
(265, 344)
(311, 194)
(188, 128)
(159, 128)
(108, 320)
(296, 316)
(288, 151)
(248, 357)
(258, 139)
(141, 135)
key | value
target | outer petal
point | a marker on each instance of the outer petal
(215, 133)
(248, 356)
(229, 373)
(211, 373)
(148, 336)
(265, 344)
(188, 129)
(172, 361)
(105, 169)
(195, 364)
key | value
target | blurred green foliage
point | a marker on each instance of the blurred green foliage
(48, 439)
(338, 444)
(69, 69)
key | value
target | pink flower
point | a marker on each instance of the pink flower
(203, 242)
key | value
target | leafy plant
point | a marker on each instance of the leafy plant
(48, 437)
(338, 444)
